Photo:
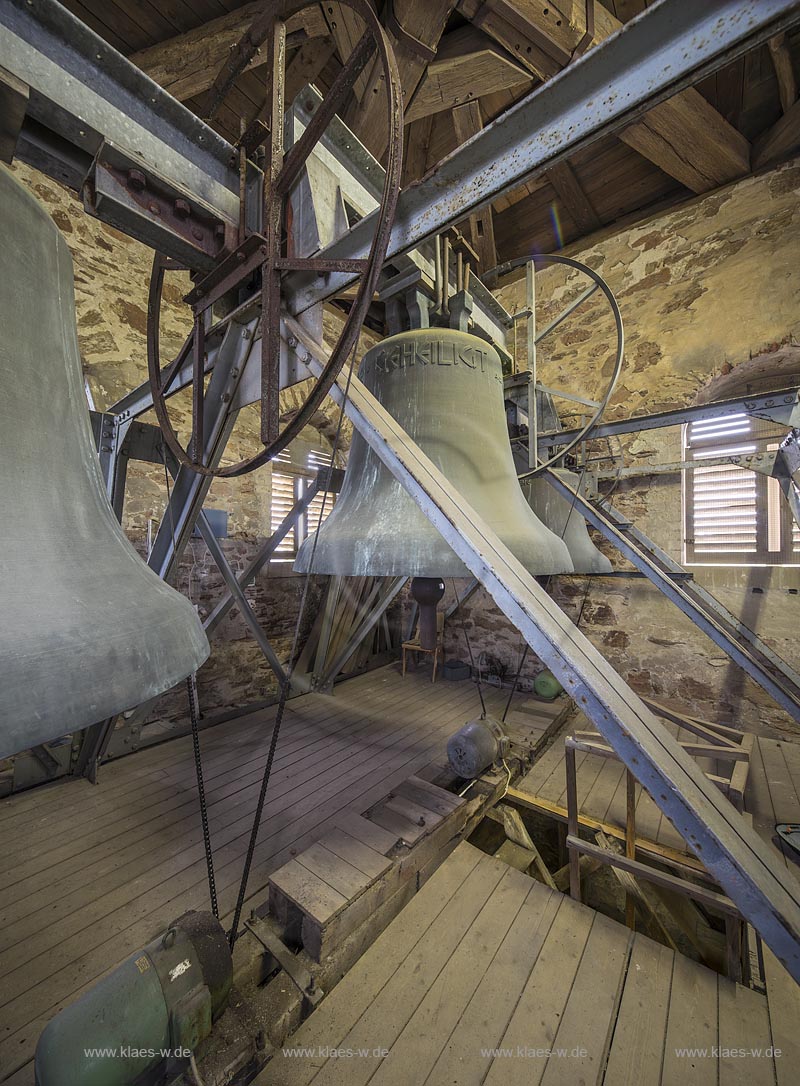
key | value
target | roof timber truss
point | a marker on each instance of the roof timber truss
(462, 63)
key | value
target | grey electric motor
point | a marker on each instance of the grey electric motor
(476, 746)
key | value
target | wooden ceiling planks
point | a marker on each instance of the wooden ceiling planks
(614, 180)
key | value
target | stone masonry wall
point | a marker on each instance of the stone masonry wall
(702, 290)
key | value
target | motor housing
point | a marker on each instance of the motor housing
(142, 1021)
(476, 746)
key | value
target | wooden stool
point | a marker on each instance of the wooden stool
(438, 651)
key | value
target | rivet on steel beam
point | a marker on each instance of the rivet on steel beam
(136, 180)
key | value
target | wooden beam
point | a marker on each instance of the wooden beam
(468, 121)
(306, 64)
(422, 23)
(346, 29)
(574, 200)
(187, 64)
(689, 140)
(778, 141)
(784, 71)
(684, 136)
(13, 104)
(514, 196)
(468, 64)
(417, 149)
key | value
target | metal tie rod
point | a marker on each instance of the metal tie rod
(739, 642)
(767, 894)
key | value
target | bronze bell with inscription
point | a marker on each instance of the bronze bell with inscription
(445, 388)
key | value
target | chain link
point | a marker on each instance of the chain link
(191, 685)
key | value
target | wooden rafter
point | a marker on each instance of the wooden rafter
(414, 28)
(468, 64)
(468, 121)
(780, 140)
(187, 64)
(784, 71)
(571, 195)
(685, 136)
(306, 64)
(417, 149)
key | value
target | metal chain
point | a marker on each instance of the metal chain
(201, 792)
(233, 934)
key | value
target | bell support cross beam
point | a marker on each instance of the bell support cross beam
(85, 96)
(668, 47)
(766, 893)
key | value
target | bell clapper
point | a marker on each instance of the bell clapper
(427, 591)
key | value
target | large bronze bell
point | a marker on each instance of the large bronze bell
(87, 629)
(445, 388)
(561, 515)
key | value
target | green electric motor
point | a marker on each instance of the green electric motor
(143, 1021)
(547, 686)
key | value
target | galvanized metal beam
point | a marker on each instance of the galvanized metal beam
(261, 557)
(670, 47)
(707, 613)
(238, 597)
(782, 407)
(190, 489)
(767, 894)
(84, 94)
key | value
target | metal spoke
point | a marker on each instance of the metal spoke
(548, 328)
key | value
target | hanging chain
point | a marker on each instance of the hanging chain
(233, 934)
(191, 685)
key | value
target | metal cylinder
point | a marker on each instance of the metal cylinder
(427, 591)
(476, 746)
(141, 1022)
(445, 388)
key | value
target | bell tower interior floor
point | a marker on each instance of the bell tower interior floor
(90, 873)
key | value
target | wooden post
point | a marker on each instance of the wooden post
(630, 841)
(733, 940)
(572, 822)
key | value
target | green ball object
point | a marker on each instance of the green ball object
(547, 686)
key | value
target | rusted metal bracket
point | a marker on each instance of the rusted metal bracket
(291, 965)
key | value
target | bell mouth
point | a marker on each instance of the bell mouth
(427, 591)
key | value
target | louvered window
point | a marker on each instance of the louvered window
(735, 517)
(293, 474)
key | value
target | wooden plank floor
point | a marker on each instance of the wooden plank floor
(773, 793)
(487, 976)
(88, 874)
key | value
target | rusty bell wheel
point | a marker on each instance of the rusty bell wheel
(265, 250)
(598, 283)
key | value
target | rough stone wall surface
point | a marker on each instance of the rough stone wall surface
(702, 289)
(111, 284)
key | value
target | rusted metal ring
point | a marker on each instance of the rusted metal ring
(503, 269)
(240, 57)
